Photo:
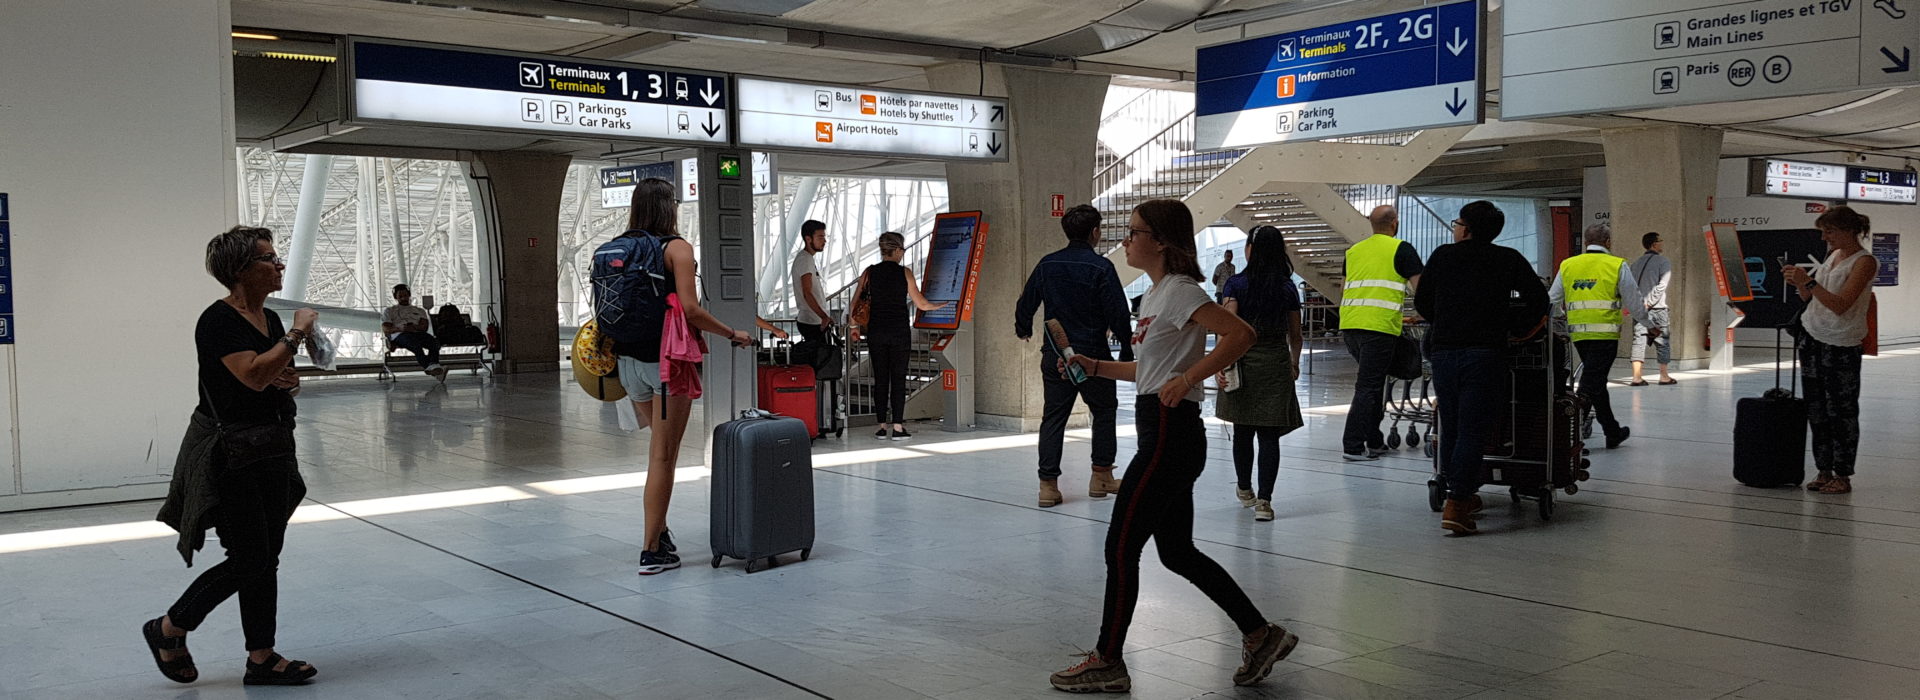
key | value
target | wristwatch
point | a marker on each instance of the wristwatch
(1812, 283)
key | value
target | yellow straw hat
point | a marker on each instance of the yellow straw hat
(593, 350)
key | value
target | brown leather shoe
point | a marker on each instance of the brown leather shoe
(1102, 483)
(1050, 494)
(1457, 516)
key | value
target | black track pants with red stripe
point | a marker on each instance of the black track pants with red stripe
(1156, 501)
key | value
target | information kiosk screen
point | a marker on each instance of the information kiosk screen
(953, 267)
(1730, 269)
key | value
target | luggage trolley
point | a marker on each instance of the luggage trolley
(1535, 447)
(1407, 403)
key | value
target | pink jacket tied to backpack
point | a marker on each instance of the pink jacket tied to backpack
(681, 350)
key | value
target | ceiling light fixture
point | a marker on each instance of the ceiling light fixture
(1240, 18)
(255, 35)
(1472, 151)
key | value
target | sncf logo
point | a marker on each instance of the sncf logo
(1585, 284)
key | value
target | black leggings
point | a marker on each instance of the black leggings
(1243, 453)
(255, 503)
(1156, 501)
(890, 377)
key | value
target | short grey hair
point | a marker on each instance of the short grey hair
(1599, 234)
(229, 254)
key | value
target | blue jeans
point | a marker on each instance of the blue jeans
(1470, 383)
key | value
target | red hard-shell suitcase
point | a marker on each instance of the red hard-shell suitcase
(788, 390)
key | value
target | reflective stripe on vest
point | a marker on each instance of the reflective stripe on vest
(1375, 291)
(1591, 285)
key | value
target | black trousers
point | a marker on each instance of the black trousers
(889, 356)
(425, 347)
(813, 333)
(1596, 362)
(1470, 384)
(1374, 351)
(1156, 501)
(255, 503)
(1102, 402)
(1268, 451)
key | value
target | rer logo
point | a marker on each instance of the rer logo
(823, 132)
(1285, 86)
(869, 104)
(1585, 284)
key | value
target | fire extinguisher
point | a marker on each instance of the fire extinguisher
(493, 338)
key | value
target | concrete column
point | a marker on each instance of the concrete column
(1054, 124)
(86, 416)
(521, 201)
(1663, 179)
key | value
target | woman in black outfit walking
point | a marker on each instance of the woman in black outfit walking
(1264, 296)
(236, 472)
(886, 286)
(1156, 497)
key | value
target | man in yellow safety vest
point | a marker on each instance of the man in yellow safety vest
(1594, 288)
(1381, 272)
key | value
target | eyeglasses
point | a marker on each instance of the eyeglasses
(269, 259)
(1139, 232)
(1459, 223)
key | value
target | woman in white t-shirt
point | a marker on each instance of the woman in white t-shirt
(1838, 293)
(1156, 497)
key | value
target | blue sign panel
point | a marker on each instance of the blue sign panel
(6, 273)
(1886, 249)
(1398, 72)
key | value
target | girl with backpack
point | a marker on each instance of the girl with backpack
(656, 213)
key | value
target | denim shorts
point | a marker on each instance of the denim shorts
(640, 379)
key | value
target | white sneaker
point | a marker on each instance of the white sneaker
(1263, 510)
(1246, 497)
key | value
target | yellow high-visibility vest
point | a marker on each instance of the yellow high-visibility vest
(1375, 290)
(1591, 285)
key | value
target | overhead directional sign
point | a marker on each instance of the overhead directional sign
(458, 87)
(1408, 70)
(1599, 56)
(777, 114)
(1790, 178)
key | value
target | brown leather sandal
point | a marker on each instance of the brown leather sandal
(1820, 482)
(1838, 485)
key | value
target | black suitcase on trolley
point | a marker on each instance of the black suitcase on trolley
(762, 497)
(1770, 432)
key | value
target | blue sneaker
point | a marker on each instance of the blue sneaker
(655, 562)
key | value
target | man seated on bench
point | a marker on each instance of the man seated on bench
(406, 326)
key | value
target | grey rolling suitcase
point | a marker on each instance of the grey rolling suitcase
(762, 489)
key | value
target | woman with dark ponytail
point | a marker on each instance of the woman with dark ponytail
(1264, 297)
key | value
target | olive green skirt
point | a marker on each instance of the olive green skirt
(1266, 397)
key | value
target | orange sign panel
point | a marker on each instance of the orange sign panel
(823, 132)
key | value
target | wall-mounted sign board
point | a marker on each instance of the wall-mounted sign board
(1772, 177)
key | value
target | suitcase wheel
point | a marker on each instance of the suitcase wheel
(1413, 436)
(753, 565)
(804, 553)
(1435, 499)
(1572, 489)
(716, 561)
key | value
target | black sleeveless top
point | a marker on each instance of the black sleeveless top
(887, 292)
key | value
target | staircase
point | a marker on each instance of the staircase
(1290, 186)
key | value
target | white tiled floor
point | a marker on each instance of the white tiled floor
(478, 541)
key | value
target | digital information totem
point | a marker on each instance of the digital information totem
(952, 272)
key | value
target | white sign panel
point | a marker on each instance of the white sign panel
(843, 119)
(1786, 178)
(449, 86)
(1562, 57)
